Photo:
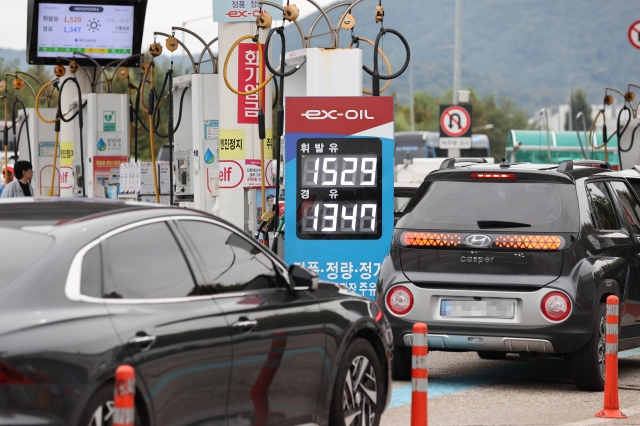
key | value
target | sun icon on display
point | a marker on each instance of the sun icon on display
(94, 25)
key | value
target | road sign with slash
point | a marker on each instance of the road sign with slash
(634, 34)
(455, 126)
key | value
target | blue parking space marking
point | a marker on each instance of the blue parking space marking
(440, 386)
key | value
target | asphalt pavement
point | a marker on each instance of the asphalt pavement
(467, 390)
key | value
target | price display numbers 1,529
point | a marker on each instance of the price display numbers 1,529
(339, 188)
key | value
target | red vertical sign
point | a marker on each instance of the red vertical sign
(248, 80)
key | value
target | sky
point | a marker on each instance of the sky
(161, 16)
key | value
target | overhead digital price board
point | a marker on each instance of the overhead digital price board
(339, 187)
(106, 31)
(340, 194)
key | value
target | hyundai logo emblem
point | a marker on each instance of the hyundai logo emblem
(478, 241)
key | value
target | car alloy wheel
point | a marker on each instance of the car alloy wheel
(602, 344)
(102, 415)
(360, 393)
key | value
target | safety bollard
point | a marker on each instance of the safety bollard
(419, 375)
(124, 393)
(611, 404)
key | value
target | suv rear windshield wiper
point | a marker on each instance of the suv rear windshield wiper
(484, 224)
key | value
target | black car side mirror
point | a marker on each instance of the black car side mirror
(303, 278)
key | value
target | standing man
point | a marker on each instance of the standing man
(9, 170)
(20, 187)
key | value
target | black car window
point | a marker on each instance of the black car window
(605, 215)
(146, 263)
(635, 184)
(231, 263)
(91, 277)
(628, 202)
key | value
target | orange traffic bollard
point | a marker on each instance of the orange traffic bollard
(124, 393)
(611, 403)
(419, 375)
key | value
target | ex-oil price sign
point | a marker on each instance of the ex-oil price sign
(455, 126)
(339, 177)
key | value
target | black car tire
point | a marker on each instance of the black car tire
(347, 408)
(492, 355)
(402, 363)
(587, 363)
(102, 404)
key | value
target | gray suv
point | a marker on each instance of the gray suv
(516, 258)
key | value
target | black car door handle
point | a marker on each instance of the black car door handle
(244, 324)
(142, 340)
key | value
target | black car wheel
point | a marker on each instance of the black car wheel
(402, 363)
(358, 393)
(588, 363)
(99, 411)
(492, 355)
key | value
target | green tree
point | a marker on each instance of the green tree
(579, 103)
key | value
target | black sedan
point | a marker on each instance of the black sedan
(219, 331)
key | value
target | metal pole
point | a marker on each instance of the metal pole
(413, 127)
(457, 71)
(570, 127)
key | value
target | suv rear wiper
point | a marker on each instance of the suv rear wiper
(483, 224)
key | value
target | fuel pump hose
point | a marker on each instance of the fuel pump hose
(260, 59)
(153, 154)
(5, 141)
(13, 125)
(280, 114)
(376, 48)
(384, 57)
(79, 114)
(52, 191)
(135, 112)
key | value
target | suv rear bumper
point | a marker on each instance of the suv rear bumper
(484, 343)
(529, 330)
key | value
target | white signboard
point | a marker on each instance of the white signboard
(453, 143)
(241, 10)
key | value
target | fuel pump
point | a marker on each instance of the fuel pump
(628, 150)
(608, 100)
(290, 13)
(100, 146)
(32, 137)
(262, 82)
(193, 140)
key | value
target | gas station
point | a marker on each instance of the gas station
(285, 292)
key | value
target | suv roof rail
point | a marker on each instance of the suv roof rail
(567, 165)
(450, 163)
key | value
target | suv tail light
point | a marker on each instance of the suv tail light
(556, 306)
(400, 300)
(493, 176)
(533, 242)
(430, 239)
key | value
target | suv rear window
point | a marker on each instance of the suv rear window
(471, 206)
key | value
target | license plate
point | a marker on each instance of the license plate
(483, 308)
